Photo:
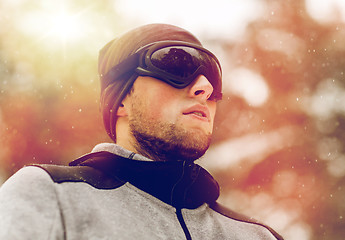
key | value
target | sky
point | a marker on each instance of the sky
(217, 15)
(199, 16)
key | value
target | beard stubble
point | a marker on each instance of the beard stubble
(164, 141)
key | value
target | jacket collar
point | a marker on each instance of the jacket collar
(180, 184)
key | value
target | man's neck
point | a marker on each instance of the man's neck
(118, 150)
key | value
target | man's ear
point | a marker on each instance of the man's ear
(121, 111)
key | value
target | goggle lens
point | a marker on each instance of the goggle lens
(185, 63)
(176, 61)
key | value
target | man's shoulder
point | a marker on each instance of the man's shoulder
(240, 217)
(26, 178)
(86, 174)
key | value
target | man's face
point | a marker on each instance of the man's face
(167, 123)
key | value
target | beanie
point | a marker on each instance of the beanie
(118, 50)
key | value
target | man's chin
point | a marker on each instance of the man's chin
(193, 148)
(188, 147)
(191, 154)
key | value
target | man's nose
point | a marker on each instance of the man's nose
(200, 88)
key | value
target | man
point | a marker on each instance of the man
(159, 89)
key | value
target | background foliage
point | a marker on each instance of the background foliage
(278, 149)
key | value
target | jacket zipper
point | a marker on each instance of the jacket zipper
(183, 224)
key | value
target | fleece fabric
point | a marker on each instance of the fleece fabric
(115, 194)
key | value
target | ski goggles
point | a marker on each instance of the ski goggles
(174, 62)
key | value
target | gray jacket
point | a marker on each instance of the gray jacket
(119, 196)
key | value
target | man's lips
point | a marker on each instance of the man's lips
(199, 111)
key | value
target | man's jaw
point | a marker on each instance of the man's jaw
(171, 149)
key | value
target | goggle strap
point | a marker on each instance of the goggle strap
(116, 72)
(122, 94)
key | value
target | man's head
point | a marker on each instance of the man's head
(158, 92)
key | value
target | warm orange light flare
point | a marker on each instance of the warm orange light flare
(62, 25)
(65, 26)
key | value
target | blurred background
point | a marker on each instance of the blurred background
(278, 149)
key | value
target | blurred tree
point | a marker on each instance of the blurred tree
(49, 109)
(302, 62)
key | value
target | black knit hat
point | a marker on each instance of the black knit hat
(118, 50)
